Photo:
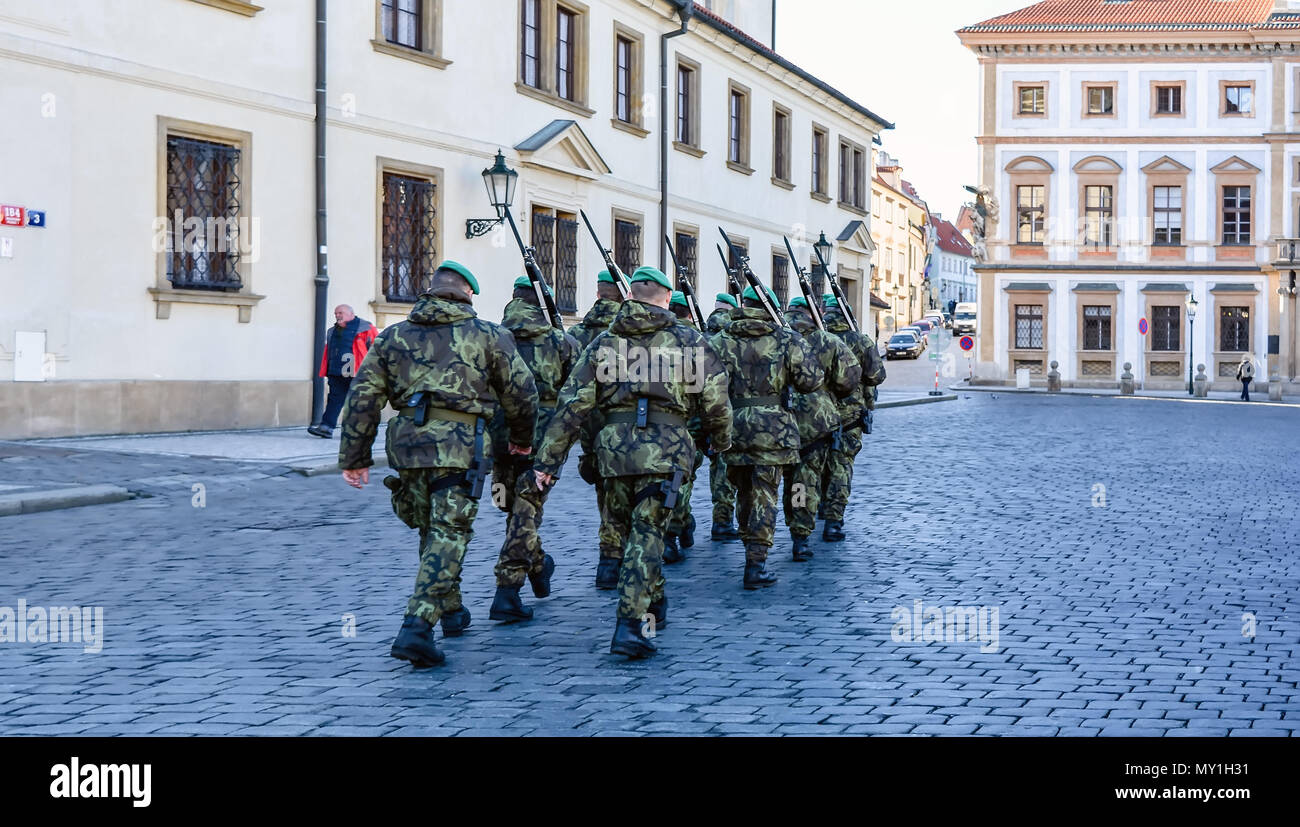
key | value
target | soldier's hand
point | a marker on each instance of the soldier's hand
(520, 450)
(357, 477)
(543, 480)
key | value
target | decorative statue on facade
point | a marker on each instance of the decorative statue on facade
(983, 213)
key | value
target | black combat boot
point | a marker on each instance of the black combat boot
(607, 573)
(801, 550)
(455, 623)
(723, 533)
(757, 576)
(629, 641)
(672, 554)
(659, 609)
(541, 581)
(687, 537)
(415, 643)
(508, 607)
(833, 531)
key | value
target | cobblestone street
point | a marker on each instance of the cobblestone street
(1121, 540)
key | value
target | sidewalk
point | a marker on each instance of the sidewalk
(1215, 397)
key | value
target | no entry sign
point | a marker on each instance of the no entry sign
(966, 343)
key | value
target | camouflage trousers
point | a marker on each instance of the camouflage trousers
(611, 539)
(803, 484)
(450, 519)
(681, 516)
(521, 553)
(756, 495)
(724, 495)
(641, 527)
(837, 479)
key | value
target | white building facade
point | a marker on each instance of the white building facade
(1140, 156)
(952, 267)
(123, 315)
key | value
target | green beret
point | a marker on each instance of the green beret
(798, 301)
(462, 271)
(679, 298)
(651, 274)
(752, 295)
(524, 281)
(606, 277)
(829, 300)
(727, 298)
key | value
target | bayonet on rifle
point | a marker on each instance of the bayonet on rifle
(814, 301)
(743, 261)
(684, 284)
(834, 282)
(619, 278)
(544, 298)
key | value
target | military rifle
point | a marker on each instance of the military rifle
(834, 282)
(814, 301)
(731, 273)
(742, 261)
(544, 298)
(619, 278)
(684, 284)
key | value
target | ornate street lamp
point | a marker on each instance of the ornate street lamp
(824, 247)
(500, 182)
(1191, 327)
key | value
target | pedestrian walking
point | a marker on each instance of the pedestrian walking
(1246, 375)
(345, 348)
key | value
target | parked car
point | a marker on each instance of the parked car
(905, 344)
(916, 331)
(936, 318)
(963, 319)
(924, 325)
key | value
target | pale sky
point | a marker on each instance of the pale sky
(901, 60)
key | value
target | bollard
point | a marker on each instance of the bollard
(1054, 378)
(1126, 380)
(1202, 383)
(1275, 387)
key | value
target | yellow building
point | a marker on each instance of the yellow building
(898, 228)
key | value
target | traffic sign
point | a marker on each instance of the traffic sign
(966, 343)
(1142, 326)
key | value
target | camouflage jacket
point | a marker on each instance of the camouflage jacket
(868, 355)
(465, 364)
(761, 360)
(547, 352)
(596, 322)
(818, 413)
(645, 353)
(717, 320)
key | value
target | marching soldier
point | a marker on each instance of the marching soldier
(596, 322)
(446, 371)
(762, 359)
(681, 523)
(838, 479)
(724, 496)
(550, 355)
(644, 449)
(818, 417)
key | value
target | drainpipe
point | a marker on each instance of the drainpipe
(772, 45)
(685, 10)
(322, 275)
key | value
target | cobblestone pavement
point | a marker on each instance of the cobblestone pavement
(1117, 619)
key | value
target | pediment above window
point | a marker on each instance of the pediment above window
(1166, 165)
(1235, 164)
(562, 146)
(1098, 164)
(1029, 164)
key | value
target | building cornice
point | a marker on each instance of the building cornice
(1110, 45)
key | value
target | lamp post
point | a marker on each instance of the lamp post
(1191, 327)
(824, 247)
(500, 181)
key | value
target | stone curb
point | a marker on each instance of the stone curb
(318, 469)
(1094, 395)
(920, 400)
(29, 502)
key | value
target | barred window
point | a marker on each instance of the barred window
(781, 278)
(1096, 327)
(409, 236)
(203, 192)
(1166, 327)
(1234, 329)
(401, 21)
(686, 246)
(627, 244)
(1029, 326)
(554, 238)
(733, 263)
(1030, 212)
(816, 276)
(1168, 213)
(1098, 216)
(1236, 215)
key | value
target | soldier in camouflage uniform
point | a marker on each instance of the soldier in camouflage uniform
(818, 416)
(681, 523)
(724, 496)
(762, 359)
(446, 371)
(550, 355)
(644, 449)
(596, 322)
(838, 477)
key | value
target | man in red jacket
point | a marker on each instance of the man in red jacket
(345, 346)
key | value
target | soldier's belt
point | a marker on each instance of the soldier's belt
(757, 402)
(441, 413)
(651, 418)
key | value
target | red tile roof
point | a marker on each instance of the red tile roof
(949, 239)
(1130, 15)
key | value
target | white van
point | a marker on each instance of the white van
(963, 319)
